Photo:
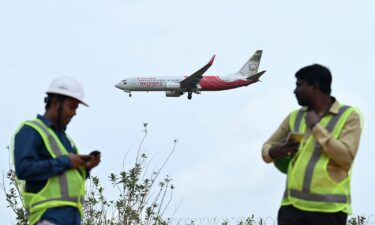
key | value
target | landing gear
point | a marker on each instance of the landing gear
(130, 94)
(190, 95)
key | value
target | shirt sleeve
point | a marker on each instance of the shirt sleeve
(32, 160)
(343, 149)
(277, 137)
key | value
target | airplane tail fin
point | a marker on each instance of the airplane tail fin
(251, 66)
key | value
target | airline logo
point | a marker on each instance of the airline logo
(150, 83)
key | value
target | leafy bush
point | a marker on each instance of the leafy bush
(357, 220)
(14, 197)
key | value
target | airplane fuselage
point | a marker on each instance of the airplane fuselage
(197, 81)
(207, 83)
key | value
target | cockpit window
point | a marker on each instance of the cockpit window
(124, 81)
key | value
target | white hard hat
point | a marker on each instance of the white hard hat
(68, 87)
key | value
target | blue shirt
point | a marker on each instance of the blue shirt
(34, 164)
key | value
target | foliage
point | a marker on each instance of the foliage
(358, 220)
(247, 221)
(139, 202)
(13, 195)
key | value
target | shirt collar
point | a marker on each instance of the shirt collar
(334, 109)
(48, 122)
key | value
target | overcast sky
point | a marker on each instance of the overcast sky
(217, 168)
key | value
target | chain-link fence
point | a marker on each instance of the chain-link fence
(352, 220)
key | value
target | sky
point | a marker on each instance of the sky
(217, 169)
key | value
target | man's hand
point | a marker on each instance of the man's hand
(284, 149)
(312, 118)
(76, 160)
(93, 162)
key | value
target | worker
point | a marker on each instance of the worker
(48, 161)
(319, 170)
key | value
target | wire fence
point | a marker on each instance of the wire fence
(352, 220)
(224, 221)
(221, 221)
(370, 219)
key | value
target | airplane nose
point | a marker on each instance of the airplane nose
(119, 85)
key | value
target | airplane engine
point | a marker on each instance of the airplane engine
(173, 86)
(173, 93)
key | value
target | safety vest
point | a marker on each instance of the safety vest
(67, 189)
(309, 186)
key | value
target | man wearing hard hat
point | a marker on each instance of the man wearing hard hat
(315, 146)
(49, 162)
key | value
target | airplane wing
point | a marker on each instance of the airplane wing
(191, 82)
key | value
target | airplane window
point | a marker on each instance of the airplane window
(124, 81)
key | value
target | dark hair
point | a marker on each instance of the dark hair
(316, 75)
(49, 97)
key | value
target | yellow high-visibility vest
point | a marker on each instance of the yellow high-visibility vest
(309, 186)
(67, 189)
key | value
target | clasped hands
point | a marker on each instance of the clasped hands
(89, 161)
(312, 118)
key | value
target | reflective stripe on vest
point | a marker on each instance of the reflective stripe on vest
(298, 120)
(296, 124)
(306, 194)
(52, 141)
(65, 198)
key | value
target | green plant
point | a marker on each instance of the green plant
(357, 220)
(142, 199)
(13, 195)
(248, 221)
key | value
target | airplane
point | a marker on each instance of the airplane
(195, 83)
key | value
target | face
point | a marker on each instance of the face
(70, 106)
(304, 92)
